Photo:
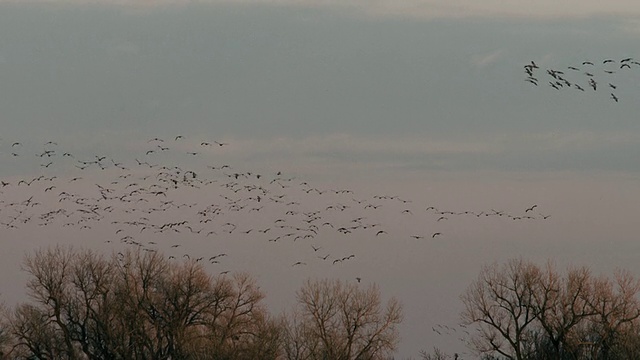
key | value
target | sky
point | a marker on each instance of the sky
(405, 104)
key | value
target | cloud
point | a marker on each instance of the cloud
(337, 150)
(584, 150)
(631, 26)
(485, 59)
(426, 9)
(501, 8)
(582, 141)
(349, 145)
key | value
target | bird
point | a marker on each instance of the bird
(532, 80)
(435, 234)
(531, 208)
(142, 198)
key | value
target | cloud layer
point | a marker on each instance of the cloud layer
(416, 8)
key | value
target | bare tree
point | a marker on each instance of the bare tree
(298, 340)
(501, 303)
(239, 326)
(616, 309)
(5, 337)
(35, 337)
(138, 305)
(49, 285)
(437, 354)
(562, 303)
(523, 312)
(336, 320)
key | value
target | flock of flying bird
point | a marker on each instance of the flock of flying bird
(171, 193)
(588, 76)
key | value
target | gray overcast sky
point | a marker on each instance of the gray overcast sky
(422, 99)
